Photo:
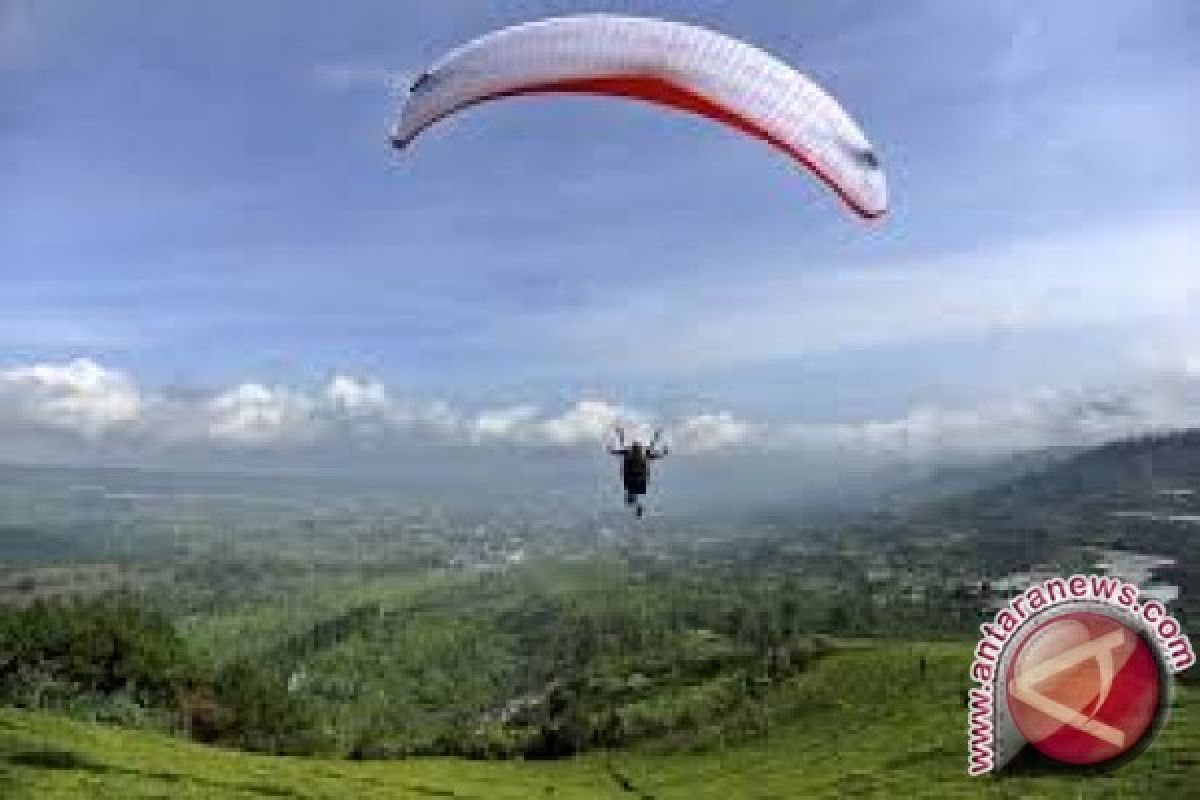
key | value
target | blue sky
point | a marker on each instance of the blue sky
(200, 196)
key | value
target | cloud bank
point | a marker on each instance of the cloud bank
(84, 406)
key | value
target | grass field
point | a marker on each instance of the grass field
(862, 723)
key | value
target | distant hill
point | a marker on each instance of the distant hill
(1141, 469)
(1148, 476)
(1140, 494)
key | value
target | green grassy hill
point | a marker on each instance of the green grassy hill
(862, 722)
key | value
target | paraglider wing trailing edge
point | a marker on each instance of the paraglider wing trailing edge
(665, 63)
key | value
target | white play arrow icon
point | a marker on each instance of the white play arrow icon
(1101, 650)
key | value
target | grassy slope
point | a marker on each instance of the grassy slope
(862, 723)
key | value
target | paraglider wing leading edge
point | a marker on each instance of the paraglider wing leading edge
(667, 64)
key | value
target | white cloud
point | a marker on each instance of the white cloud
(80, 396)
(715, 431)
(253, 414)
(1036, 419)
(587, 421)
(502, 423)
(104, 407)
(357, 397)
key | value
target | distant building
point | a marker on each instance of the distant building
(1142, 570)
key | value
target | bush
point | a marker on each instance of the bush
(250, 707)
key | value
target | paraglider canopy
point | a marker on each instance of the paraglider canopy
(665, 63)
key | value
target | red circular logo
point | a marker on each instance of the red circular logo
(1084, 688)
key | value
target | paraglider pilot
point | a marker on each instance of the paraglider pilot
(635, 466)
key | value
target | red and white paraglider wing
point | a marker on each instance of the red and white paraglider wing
(665, 63)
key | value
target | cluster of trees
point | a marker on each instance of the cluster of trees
(52, 653)
(112, 659)
(550, 662)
